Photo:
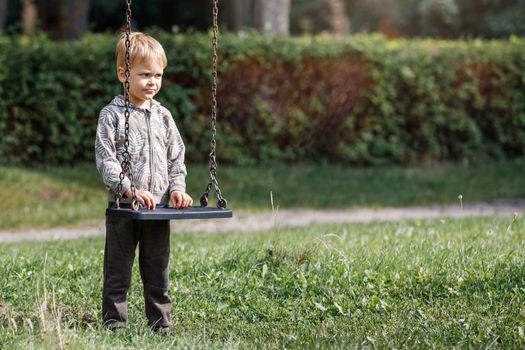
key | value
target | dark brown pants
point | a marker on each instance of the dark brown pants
(153, 239)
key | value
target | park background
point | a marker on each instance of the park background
(323, 104)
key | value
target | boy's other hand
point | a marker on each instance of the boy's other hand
(180, 200)
(145, 198)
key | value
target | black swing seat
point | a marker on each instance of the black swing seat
(168, 213)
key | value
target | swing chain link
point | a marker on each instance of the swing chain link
(126, 162)
(221, 201)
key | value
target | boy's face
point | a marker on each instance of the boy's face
(145, 81)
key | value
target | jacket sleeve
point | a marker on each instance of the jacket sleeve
(176, 167)
(106, 153)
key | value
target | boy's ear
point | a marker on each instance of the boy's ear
(121, 74)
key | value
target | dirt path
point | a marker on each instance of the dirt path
(250, 222)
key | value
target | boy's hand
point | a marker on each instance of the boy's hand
(180, 200)
(144, 197)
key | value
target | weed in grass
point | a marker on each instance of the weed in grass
(50, 319)
(275, 212)
(514, 218)
(460, 197)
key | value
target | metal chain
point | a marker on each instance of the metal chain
(126, 162)
(221, 201)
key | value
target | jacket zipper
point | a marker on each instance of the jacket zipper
(151, 170)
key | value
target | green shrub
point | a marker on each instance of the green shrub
(364, 100)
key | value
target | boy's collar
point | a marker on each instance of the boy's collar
(121, 102)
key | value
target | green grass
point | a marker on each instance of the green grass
(62, 196)
(413, 284)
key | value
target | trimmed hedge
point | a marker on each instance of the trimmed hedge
(364, 100)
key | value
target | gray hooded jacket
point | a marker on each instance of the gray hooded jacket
(155, 146)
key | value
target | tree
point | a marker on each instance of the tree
(3, 14)
(64, 19)
(272, 16)
(492, 18)
(237, 14)
(439, 17)
(268, 16)
(339, 22)
(29, 17)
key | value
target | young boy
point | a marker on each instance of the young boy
(157, 164)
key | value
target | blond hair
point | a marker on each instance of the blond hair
(142, 47)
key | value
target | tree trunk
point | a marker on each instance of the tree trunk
(64, 19)
(272, 16)
(75, 14)
(339, 21)
(29, 17)
(237, 13)
(3, 14)
(268, 16)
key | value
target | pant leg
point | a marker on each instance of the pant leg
(119, 253)
(154, 254)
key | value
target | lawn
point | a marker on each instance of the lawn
(66, 196)
(411, 284)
